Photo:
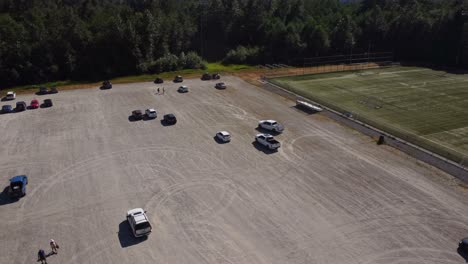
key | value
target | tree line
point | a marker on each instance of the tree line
(46, 40)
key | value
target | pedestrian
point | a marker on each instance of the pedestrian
(54, 246)
(164, 91)
(41, 256)
(158, 90)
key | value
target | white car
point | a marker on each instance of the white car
(10, 96)
(224, 136)
(182, 89)
(151, 113)
(138, 222)
(271, 125)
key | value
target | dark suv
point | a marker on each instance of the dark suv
(20, 106)
(170, 119)
(17, 186)
(137, 115)
(463, 246)
(106, 85)
(47, 103)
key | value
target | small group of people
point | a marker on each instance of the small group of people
(42, 255)
(163, 91)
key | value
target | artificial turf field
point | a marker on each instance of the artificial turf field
(425, 106)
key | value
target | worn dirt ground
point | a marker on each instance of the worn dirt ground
(329, 195)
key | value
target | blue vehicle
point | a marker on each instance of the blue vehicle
(7, 109)
(18, 186)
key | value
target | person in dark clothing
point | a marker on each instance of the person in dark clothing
(42, 256)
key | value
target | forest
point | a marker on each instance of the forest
(47, 40)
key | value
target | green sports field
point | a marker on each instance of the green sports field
(421, 105)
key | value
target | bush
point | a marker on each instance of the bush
(242, 55)
(171, 62)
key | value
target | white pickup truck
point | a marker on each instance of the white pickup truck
(271, 125)
(268, 141)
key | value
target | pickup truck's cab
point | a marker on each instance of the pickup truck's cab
(271, 125)
(17, 186)
(138, 222)
(268, 141)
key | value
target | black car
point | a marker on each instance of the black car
(43, 90)
(170, 119)
(106, 85)
(216, 76)
(220, 85)
(7, 109)
(17, 186)
(53, 90)
(158, 80)
(137, 115)
(463, 246)
(206, 76)
(47, 103)
(178, 78)
(20, 106)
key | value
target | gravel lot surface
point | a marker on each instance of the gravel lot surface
(329, 195)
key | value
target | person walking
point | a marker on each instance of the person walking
(158, 90)
(54, 246)
(42, 257)
(164, 91)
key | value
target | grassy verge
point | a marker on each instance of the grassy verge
(214, 67)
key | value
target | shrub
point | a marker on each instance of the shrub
(241, 55)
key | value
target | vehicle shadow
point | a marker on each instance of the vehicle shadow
(4, 99)
(126, 237)
(266, 131)
(146, 118)
(219, 141)
(104, 88)
(131, 118)
(165, 124)
(263, 149)
(463, 254)
(39, 93)
(5, 199)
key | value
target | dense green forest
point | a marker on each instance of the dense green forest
(45, 40)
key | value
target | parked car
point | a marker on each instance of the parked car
(183, 89)
(53, 90)
(271, 125)
(20, 106)
(137, 115)
(47, 103)
(43, 90)
(10, 96)
(139, 222)
(158, 80)
(216, 76)
(17, 186)
(463, 246)
(170, 119)
(151, 113)
(7, 109)
(224, 136)
(268, 141)
(178, 78)
(206, 76)
(106, 85)
(221, 85)
(34, 103)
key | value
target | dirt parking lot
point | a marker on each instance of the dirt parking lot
(329, 195)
